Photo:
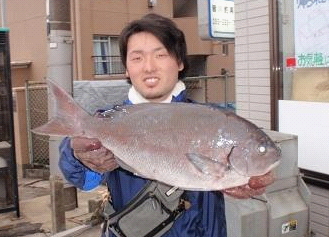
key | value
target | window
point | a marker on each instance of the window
(225, 49)
(107, 58)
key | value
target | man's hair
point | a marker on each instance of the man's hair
(165, 30)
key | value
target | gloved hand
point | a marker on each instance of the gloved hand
(93, 154)
(256, 186)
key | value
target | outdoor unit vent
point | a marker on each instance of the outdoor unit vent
(151, 3)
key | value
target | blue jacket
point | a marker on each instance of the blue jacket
(205, 217)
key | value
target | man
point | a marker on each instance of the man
(153, 51)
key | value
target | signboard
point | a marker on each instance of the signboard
(216, 19)
(311, 33)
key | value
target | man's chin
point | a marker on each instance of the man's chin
(154, 97)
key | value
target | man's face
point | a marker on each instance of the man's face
(151, 69)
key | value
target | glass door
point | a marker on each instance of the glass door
(304, 109)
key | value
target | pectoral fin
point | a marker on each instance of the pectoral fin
(207, 165)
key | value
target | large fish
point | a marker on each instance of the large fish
(189, 146)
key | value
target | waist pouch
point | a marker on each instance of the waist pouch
(151, 213)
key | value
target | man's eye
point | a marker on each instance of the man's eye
(161, 55)
(136, 58)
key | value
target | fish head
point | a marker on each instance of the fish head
(254, 155)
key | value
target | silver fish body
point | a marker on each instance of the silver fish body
(189, 146)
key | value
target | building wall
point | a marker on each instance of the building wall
(29, 43)
(28, 38)
(252, 61)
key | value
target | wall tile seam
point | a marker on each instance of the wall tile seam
(240, 42)
(259, 56)
(265, 110)
(258, 98)
(253, 83)
(242, 83)
(243, 23)
(259, 73)
(246, 52)
(242, 39)
(320, 216)
(243, 97)
(256, 12)
(261, 62)
(260, 114)
(320, 210)
(255, 99)
(238, 7)
(252, 20)
(320, 199)
(262, 66)
(260, 90)
(258, 38)
(260, 49)
(320, 192)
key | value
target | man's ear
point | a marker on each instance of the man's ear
(180, 66)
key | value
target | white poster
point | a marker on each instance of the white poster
(312, 33)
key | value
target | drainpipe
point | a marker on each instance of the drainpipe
(3, 14)
(59, 65)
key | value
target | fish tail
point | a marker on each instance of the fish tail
(67, 115)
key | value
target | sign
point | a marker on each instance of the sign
(311, 33)
(289, 226)
(216, 19)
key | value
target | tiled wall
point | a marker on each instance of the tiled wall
(252, 61)
(319, 209)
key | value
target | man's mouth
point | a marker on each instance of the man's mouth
(151, 81)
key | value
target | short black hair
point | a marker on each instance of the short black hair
(165, 30)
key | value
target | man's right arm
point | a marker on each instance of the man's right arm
(84, 160)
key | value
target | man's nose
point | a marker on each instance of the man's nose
(149, 64)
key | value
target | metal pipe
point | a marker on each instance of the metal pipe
(3, 13)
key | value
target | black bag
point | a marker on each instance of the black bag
(151, 213)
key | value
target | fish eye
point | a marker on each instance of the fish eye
(262, 149)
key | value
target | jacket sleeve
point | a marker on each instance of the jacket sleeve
(74, 171)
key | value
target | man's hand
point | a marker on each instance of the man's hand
(256, 186)
(93, 154)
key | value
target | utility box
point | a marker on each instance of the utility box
(283, 210)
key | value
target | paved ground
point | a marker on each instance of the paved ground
(35, 210)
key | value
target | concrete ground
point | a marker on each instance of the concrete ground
(35, 213)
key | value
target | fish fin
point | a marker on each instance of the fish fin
(65, 116)
(207, 165)
(57, 127)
